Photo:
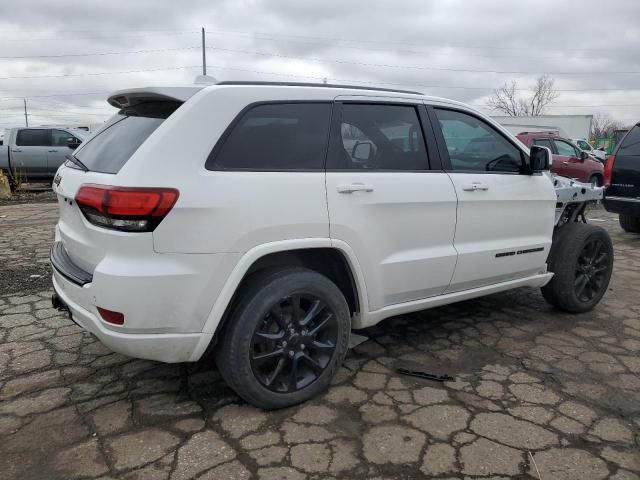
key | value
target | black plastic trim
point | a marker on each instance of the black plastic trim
(65, 267)
(621, 205)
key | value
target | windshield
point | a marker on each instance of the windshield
(81, 134)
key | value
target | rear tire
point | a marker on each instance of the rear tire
(630, 223)
(595, 180)
(287, 335)
(581, 259)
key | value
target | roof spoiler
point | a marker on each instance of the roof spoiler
(136, 96)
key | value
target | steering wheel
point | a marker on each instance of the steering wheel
(491, 165)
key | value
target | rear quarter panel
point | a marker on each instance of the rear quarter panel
(224, 211)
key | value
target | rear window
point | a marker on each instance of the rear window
(282, 136)
(543, 143)
(112, 146)
(631, 143)
(33, 138)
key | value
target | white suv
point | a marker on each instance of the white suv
(265, 221)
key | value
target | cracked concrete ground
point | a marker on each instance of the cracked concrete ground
(534, 390)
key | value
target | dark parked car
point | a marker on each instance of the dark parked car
(568, 160)
(622, 179)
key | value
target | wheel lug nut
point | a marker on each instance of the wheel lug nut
(291, 353)
(302, 346)
(284, 344)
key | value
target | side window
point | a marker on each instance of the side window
(60, 138)
(379, 137)
(584, 145)
(33, 138)
(474, 145)
(631, 144)
(566, 149)
(282, 136)
(543, 142)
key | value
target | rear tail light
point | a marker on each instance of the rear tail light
(608, 170)
(128, 209)
(116, 318)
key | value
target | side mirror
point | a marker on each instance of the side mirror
(540, 158)
(584, 155)
(362, 151)
(73, 143)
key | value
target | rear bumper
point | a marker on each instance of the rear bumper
(622, 205)
(165, 347)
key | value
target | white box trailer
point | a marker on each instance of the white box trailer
(570, 126)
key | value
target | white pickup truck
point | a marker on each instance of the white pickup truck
(36, 153)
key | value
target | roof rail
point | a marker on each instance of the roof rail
(541, 132)
(327, 85)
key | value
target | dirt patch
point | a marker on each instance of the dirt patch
(25, 279)
(31, 193)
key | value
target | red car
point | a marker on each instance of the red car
(568, 159)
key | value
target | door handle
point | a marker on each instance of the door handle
(475, 186)
(52, 150)
(565, 163)
(16, 150)
(355, 187)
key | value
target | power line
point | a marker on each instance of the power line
(153, 30)
(89, 74)
(414, 52)
(391, 42)
(413, 67)
(400, 84)
(97, 54)
(312, 77)
(430, 46)
(317, 77)
(276, 36)
(99, 37)
(20, 97)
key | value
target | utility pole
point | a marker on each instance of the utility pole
(204, 54)
(26, 117)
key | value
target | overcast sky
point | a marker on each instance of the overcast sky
(66, 59)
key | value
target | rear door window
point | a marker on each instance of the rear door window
(112, 146)
(272, 137)
(379, 137)
(566, 149)
(33, 138)
(543, 143)
(631, 143)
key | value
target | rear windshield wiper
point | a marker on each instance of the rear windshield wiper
(77, 162)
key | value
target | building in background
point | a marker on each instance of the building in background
(570, 126)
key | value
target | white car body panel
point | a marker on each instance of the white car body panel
(407, 252)
(481, 236)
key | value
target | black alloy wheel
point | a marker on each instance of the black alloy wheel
(285, 338)
(294, 343)
(581, 259)
(591, 269)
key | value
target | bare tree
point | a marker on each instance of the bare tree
(603, 125)
(507, 100)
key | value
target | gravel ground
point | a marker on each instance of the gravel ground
(31, 193)
(534, 390)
